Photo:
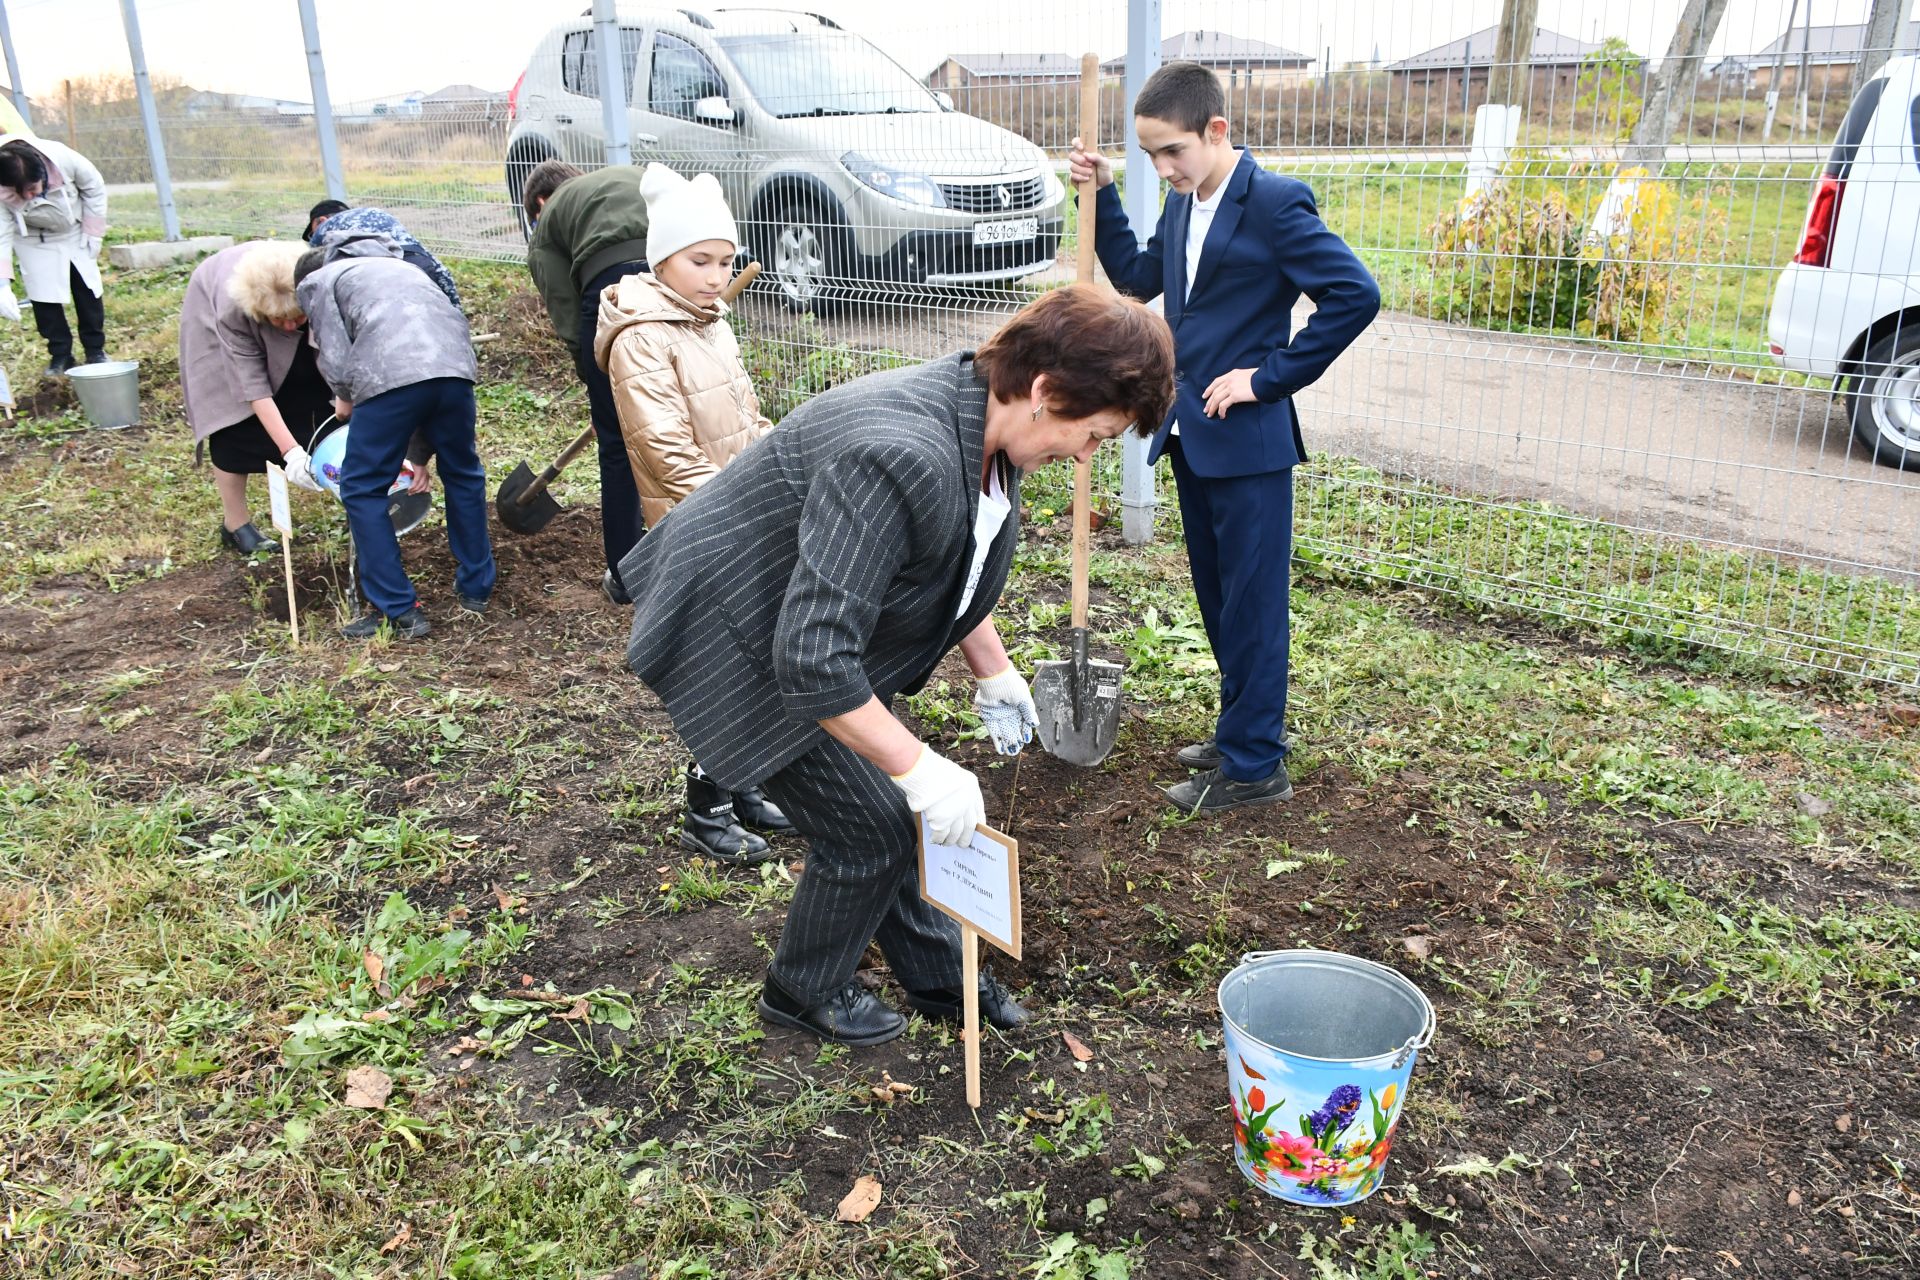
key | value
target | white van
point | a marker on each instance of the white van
(1848, 306)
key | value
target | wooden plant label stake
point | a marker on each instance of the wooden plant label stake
(979, 886)
(281, 507)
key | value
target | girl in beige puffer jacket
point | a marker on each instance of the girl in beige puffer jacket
(687, 408)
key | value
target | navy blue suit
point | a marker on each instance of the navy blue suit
(1267, 246)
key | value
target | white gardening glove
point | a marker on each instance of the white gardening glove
(299, 468)
(9, 305)
(946, 795)
(1005, 704)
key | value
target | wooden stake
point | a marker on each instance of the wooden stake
(970, 984)
(293, 616)
(73, 136)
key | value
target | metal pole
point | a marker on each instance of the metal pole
(1143, 210)
(156, 147)
(322, 106)
(13, 67)
(613, 81)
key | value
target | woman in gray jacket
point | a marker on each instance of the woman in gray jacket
(780, 609)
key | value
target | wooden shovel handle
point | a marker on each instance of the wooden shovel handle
(1083, 274)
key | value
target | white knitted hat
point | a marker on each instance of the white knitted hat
(680, 213)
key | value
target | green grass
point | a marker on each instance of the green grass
(185, 932)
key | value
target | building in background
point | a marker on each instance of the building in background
(1240, 62)
(1555, 59)
(1829, 53)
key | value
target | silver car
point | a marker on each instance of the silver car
(844, 172)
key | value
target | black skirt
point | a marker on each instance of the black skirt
(304, 400)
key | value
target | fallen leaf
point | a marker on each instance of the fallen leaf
(1793, 1199)
(400, 1237)
(1048, 1117)
(1596, 1055)
(465, 1044)
(1076, 1047)
(376, 968)
(1844, 1121)
(1417, 947)
(1728, 1256)
(860, 1202)
(1904, 713)
(506, 900)
(376, 1015)
(368, 1088)
(416, 782)
(577, 1013)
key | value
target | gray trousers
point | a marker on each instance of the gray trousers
(862, 882)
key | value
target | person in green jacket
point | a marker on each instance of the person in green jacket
(589, 231)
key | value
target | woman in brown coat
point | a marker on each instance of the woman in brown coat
(687, 408)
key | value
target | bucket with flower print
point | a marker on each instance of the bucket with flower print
(1319, 1050)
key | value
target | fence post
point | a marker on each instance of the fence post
(156, 145)
(1142, 201)
(13, 67)
(322, 106)
(613, 81)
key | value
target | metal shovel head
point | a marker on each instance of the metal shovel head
(1078, 699)
(407, 510)
(530, 516)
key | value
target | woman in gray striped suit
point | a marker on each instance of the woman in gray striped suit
(780, 609)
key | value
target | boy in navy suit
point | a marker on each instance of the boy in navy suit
(1235, 248)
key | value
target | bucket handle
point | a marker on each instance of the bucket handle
(1416, 1042)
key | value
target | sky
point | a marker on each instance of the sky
(383, 47)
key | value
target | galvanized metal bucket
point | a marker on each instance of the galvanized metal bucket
(1320, 1047)
(109, 393)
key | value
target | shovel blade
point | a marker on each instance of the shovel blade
(406, 510)
(1079, 704)
(530, 516)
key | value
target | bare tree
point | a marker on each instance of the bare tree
(1507, 79)
(1885, 26)
(1670, 90)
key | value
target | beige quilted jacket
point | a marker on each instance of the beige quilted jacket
(686, 405)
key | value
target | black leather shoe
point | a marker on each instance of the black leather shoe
(755, 812)
(997, 1004)
(1213, 791)
(1201, 755)
(610, 588)
(472, 604)
(411, 625)
(851, 1015)
(58, 366)
(710, 827)
(247, 540)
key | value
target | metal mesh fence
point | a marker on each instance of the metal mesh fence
(1569, 405)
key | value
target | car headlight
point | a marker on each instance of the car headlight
(900, 184)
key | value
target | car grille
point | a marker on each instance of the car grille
(1009, 196)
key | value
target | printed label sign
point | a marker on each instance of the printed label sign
(978, 884)
(277, 500)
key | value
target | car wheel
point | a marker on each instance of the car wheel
(522, 162)
(805, 257)
(1883, 401)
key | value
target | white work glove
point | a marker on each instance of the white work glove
(299, 468)
(946, 795)
(91, 246)
(9, 305)
(1005, 704)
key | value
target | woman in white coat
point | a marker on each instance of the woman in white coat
(53, 215)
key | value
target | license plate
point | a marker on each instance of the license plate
(1007, 231)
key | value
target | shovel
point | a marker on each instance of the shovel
(1079, 698)
(522, 501)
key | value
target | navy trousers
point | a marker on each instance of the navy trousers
(443, 409)
(1239, 532)
(620, 525)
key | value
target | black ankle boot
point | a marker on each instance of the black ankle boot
(757, 813)
(710, 827)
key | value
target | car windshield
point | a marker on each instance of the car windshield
(824, 75)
